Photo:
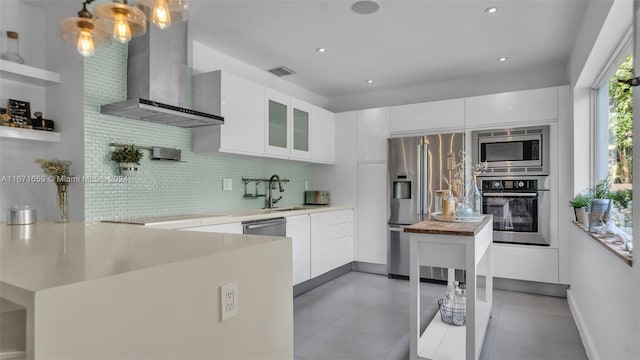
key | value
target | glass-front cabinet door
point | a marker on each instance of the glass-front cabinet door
(301, 130)
(278, 140)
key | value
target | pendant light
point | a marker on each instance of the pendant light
(83, 32)
(163, 12)
(120, 20)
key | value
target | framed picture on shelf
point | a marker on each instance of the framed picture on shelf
(20, 111)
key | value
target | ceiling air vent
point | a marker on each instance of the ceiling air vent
(281, 71)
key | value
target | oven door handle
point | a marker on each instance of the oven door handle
(510, 194)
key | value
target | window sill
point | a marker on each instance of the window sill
(618, 249)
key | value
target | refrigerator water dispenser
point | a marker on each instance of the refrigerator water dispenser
(402, 189)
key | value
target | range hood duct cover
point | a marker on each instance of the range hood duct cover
(158, 83)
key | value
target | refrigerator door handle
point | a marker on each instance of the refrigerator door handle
(398, 229)
(425, 183)
(420, 177)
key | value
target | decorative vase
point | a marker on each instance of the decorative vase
(476, 197)
(128, 169)
(463, 211)
(63, 204)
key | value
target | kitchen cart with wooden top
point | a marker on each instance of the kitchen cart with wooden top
(452, 245)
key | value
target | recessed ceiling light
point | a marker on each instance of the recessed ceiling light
(321, 50)
(365, 7)
(491, 10)
(369, 81)
(502, 59)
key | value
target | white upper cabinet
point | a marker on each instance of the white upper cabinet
(427, 117)
(277, 142)
(373, 131)
(241, 103)
(301, 130)
(260, 121)
(323, 130)
(518, 107)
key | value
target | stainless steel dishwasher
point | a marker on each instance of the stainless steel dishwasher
(270, 227)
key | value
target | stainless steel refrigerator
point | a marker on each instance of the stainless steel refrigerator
(417, 169)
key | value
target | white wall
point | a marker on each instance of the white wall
(42, 46)
(598, 277)
(602, 299)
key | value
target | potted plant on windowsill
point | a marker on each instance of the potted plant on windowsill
(601, 202)
(128, 158)
(580, 204)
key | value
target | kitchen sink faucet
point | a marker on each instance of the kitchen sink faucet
(270, 200)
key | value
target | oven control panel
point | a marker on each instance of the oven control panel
(510, 185)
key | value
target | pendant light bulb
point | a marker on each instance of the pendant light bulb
(86, 46)
(121, 30)
(161, 14)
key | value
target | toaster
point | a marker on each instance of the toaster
(316, 197)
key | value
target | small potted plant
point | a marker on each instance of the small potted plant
(580, 204)
(601, 202)
(128, 158)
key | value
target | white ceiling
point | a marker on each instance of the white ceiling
(406, 43)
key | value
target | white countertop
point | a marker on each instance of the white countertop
(195, 220)
(46, 254)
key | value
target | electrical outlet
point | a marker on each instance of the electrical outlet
(306, 184)
(227, 184)
(228, 300)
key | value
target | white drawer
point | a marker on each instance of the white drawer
(341, 230)
(341, 217)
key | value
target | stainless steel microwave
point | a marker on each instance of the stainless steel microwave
(517, 151)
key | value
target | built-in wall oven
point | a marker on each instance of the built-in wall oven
(520, 207)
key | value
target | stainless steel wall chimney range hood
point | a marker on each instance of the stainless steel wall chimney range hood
(157, 81)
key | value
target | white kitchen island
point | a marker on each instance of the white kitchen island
(96, 290)
(467, 246)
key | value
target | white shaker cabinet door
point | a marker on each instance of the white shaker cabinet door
(371, 244)
(373, 131)
(299, 230)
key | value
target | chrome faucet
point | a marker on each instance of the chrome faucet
(270, 200)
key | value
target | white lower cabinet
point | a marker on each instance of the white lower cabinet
(525, 263)
(299, 230)
(331, 240)
(230, 228)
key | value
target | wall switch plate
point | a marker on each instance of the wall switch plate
(227, 184)
(228, 300)
(306, 184)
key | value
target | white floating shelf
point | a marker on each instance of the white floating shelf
(28, 134)
(28, 74)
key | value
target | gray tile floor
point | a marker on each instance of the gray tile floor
(366, 316)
